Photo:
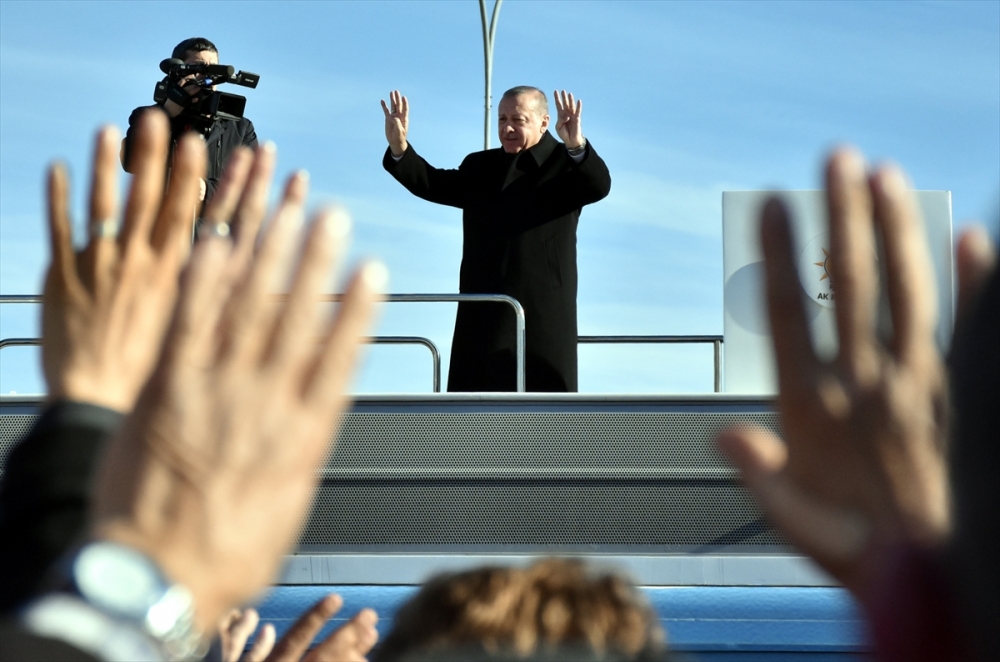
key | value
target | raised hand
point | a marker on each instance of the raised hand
(397, 122)
(862, 465)
(107, 307)
(212, 474)
(236, 628)
(348, 643)
(568, 125)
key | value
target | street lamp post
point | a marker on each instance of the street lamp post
(489, 33)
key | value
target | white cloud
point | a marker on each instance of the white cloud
(644, 199)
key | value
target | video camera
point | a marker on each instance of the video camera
(208, 105)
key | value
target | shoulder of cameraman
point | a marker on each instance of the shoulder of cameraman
(126, 152)
(248, 134)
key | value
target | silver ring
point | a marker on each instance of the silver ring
(217, 229)
(106, 228)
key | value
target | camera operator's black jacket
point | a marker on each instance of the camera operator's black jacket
(223, 139)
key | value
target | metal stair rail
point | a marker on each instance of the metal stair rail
(519, 321)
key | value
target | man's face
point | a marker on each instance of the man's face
(521, 126)
(197, 57)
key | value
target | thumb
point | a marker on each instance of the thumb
(833, 536)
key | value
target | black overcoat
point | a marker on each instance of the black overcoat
(519, 218)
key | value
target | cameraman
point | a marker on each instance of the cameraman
(222, 137)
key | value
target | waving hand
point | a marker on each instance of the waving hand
(568, 125)
(397, 122)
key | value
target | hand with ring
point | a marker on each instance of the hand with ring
(106, 307)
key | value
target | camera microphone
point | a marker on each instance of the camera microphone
(168, 65)
(174, 66)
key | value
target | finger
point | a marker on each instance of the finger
(834, 539)
(63, 267)
(249, 318)
(171, 233)
(222, 206)
(339, 352)
(300, 319)
(240, 630)
(149, 162)
(253, 203)
(262, 645)
(98, 257)
(976, 259)
(908, 267)
(200, 302)
(406, 109)
(793, 352)
(579, 108)
(351, 641)
(385, 109)
(852, 263)
(300, 635)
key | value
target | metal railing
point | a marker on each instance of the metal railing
(415, 340)
(374, 340)
(460, 298)
(435, 354)
(642, 340)
(424, 298)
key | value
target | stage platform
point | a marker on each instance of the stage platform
(429, 483)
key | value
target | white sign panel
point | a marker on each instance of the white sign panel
(748, 364)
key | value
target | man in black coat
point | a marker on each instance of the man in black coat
(520, 207)
(222, 137)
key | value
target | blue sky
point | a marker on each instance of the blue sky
(683, 100)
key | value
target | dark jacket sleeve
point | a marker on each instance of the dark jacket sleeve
(576, 185)
(16, 643)
(243, 135)
(133, 121)
(444, 187)
(45, 493)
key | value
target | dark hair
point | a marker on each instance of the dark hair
(552, 605)
(196, 44)
(528, 90)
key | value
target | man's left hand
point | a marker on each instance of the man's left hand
(568, 125)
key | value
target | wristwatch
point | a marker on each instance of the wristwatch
(577, 151)
(121, 592)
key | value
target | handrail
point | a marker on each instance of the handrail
(414, 340)
(715, 340)
(459, 298)
(453, 298)
(20, 298)
(425, 298)
(375, 340)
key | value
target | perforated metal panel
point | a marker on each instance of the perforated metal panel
(12, 428)
(517, 472)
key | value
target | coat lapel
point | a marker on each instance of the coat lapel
(529, 161)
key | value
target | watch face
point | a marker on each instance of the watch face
(118, 579)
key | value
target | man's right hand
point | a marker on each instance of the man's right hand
(189, 85)
(397, 122)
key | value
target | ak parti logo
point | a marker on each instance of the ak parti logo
(815, 272)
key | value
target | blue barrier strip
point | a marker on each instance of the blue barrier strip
(708, 619)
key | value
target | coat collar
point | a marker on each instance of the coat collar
(543, 150)
(538, 153)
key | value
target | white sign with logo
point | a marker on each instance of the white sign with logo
(748, 365)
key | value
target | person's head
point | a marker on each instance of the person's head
(523, 116)
(553, 604)
(196, 50)
(195, 47)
